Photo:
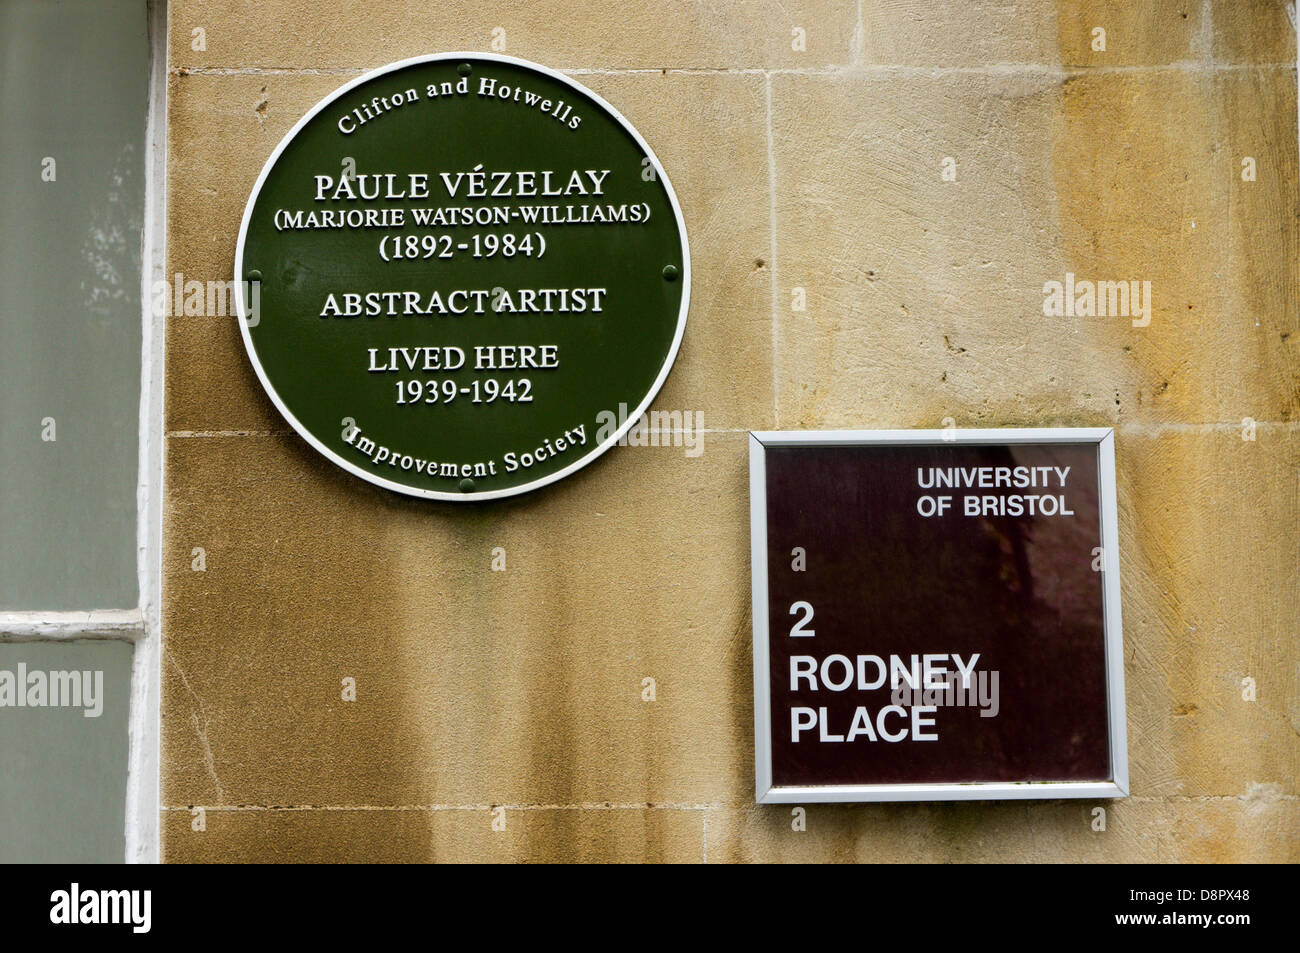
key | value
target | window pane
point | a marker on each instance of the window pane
(73, 96)
(63, 785)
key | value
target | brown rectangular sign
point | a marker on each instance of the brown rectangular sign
(936, 615)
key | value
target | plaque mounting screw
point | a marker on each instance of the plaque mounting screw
(466, 485)
(670, 272)
(254, 275)
(464, 69)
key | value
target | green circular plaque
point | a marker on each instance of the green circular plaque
(462, 276)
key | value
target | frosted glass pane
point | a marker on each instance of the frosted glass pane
(63, 784)
(73, 95)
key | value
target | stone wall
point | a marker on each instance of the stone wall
(807, 142)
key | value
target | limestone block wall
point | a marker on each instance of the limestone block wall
(876, 194)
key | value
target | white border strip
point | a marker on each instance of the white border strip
(125, 625)
(764, 790)
(758, 593)
(352, 468)
(143, 760)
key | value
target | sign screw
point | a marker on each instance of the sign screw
(670, 272)
(254, 275)
(464, 69)
(466, 485)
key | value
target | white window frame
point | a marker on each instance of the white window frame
(766, 792)
(141, 627)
